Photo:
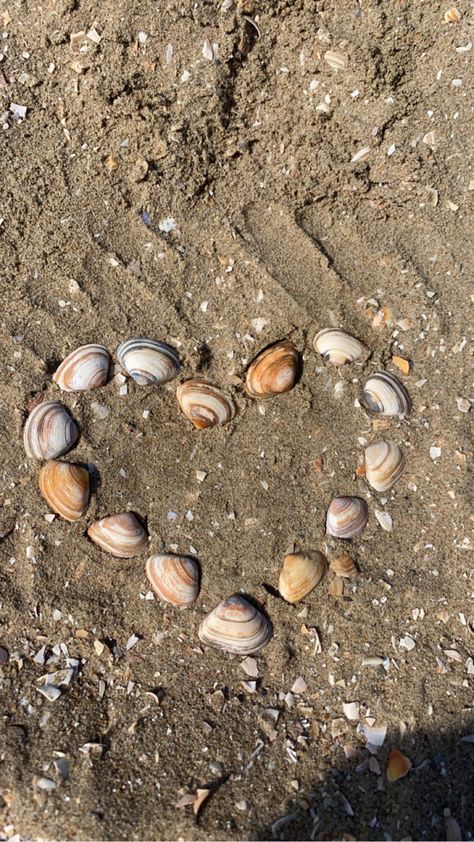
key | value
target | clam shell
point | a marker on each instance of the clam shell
(149, 361)
(301, 572)
(273, 371)
(338, 347)
(121, 535)
(385, 395)
(346, 517)
(66, 489)
(49, 431)
(236, 626)
(204, 405)
(85, 368)
(174, 578)
(384, 464)
(344, 566)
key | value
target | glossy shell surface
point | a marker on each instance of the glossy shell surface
(300, 573)
(174, 579)
(384, 395)
(66, 489)
(274, 371)
(338, 347)
(49, 431)
(120, 535)
(204, 405)
(384, 464)
(346, 517)
(85, 368)
(236, 626)
(149, 361)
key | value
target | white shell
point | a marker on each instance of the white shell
(236, 626)
(204, 405)
(337, 346)
(384, 463)
(346, 517)
(174, 579)
(121, 535)
(85, 368)
(49, 431)
(385, 395)
(149, 361)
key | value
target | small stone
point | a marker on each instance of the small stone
(4, 656)
(435, 452)
(100, 410)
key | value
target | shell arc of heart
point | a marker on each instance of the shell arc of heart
(49, 431)
(346, 517)
(383, 394)
(300, 573)
(149, 361)
(384, 464)
(84, 368)
(338, 347)
(120, 535)
(66, 488)
(174, 579)
(274, 370)
(204, 405)
(236, 626)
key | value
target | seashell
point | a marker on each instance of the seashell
(121, 535)
(85, 368)
(174, 578)
(384, 463)
(301, 572)
(273, 371)
(398, 765)
(149, 361)
(204, 405)
(346, 517)
(49, 431)
(66, 489)
(338, 347)
(344, 567)
(385, 395)
(236, 626)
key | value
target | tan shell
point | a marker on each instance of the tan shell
(301, 572)
(85, 368)
(346, 517)
(384, 464)
(49, 431)
(344, 566)
(337, 346)
(205, 405)
(65, 488)
(236, 626)
(274, 371)
(174, 579)
(383, 394)
(121, 535)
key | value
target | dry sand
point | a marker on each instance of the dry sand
(283, 224)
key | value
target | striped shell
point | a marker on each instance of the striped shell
(204, 405)
(66, 489)
(385, 395)
(301, 572)
(174, 578)
(384, 464)
(121, 535)
(236, 626)
(273, 371)
(85, 368)
(149, 361)
(49, 431)
(344, 567)
(338, 347)
(346, 517)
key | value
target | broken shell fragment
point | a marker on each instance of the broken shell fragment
(174, 579)
(85, 368)
(398, 765)
(344, 567)
(338, 347)
(384, 395)
(346, 517)
(65, 488)
(384, 463)
(301, 572)
(149, 361)
(49, 431)
(121, 535)
(236, 626)
(274, 371)
(205, 405)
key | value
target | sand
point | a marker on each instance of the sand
(206, 176)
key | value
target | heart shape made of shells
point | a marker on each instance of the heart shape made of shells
(237, 625)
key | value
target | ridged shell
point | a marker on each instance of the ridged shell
(384, 463)
(301, 572)
(385, 395)
(49, 431)
(174, 578)
(344, 567)
(204, 405)
(121, 535)
(273, 371)
(346, 517)
(66, 489)
(85, 368)
(149, 361)
(236, 626)
(338, 347)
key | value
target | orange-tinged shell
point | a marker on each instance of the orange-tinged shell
(85, 368)
(66, 489)
(236, 626)
(344, 566)
(205, 405)
(301, 572)
(174, 579)
(121, 535)
(274, 371)
(398, 765)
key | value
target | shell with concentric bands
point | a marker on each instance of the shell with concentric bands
(204, 405)
(149, 361)
(85, 368)
(274, 371)
(346, 517)
(120, 535)
(236, 626)
(49, 431)
(66, 489)
(174, 579)
(300, 573)
(384, 464)
(383, 394)
(338, 347)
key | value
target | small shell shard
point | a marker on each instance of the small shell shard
(174, 579)
(338, 347)
(204, 405)
(121, 535)
(49, 431)
(274, 371)
(344, 567)
(66, 489)
(383, 394)
(149, 361)
(384, 463)
(85, 368)
(301, 572)
(346, 517)
(398, 765)
(236, 626)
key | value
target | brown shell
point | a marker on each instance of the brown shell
(66, 489)
(274, 371)
(174, 579)
(344, 566)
